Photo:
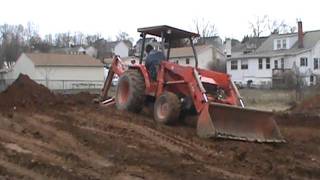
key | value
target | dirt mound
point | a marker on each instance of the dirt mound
(309, 106)
(26, 93)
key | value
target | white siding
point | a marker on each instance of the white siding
(23, 65)
(70, 73)
(261, 76)
(58, 77)
(315, 53)
(121, 49)
(70, 77)
(258, 76)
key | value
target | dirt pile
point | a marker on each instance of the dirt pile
(26, 93)
(310, 106)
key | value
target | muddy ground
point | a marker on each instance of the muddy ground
(70, 137)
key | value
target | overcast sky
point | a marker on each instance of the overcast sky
(108, 17)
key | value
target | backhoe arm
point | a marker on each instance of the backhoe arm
(116, 68)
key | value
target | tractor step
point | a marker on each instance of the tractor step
(108, 102)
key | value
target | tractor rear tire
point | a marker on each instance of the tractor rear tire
(130, 93)
(167, 108)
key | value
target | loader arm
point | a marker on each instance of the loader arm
(218, 117)
(188, 81)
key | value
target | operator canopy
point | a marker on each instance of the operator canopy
(168, 32)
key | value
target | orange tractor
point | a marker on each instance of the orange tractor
(216, 100)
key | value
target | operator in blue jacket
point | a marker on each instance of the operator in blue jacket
(153, 60)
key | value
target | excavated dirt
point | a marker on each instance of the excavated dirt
(25, 93)
(73, 138)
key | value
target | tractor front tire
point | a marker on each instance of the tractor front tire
(130, 93)
(167, 108)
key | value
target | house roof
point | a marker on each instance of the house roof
(187, 51)
(310, 39)
(251, 43)
(47, 59)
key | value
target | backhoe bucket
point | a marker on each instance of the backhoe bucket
(231, 122)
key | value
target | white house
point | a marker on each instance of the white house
(107, 49)
(121, 49)
(299, 52)
(59, 71)
(209, 57)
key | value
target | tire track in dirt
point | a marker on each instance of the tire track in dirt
(179, 140)
(170, 141)
(56, 148)
(63, 138)
(181, 146)
(21, 171)
(48, 153)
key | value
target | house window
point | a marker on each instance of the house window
(187, 61)
(276, 64)
(278, 44)
(260, 63)
(312, 80)
(244, 64)
(284, 43)
(282, 63)
(268, 63)
(234, 65)
(316, 63)
(303, 61)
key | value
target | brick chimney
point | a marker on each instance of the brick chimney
(300, 34)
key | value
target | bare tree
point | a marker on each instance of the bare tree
(205, 28)
(63, 39)
(123, 36)
(12, 44)
(78, 38)
(91, 39)
(31, 31)
(258, 26)
(276, 26)
(48, 39)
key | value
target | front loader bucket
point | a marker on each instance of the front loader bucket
(231, 122)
